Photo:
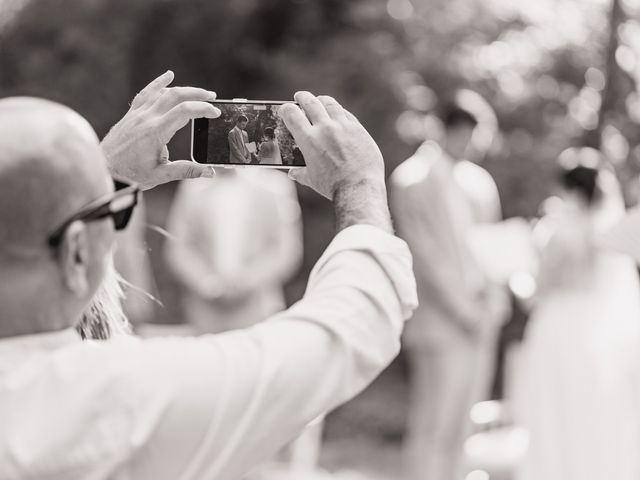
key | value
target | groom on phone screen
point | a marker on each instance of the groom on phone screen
(238, 139)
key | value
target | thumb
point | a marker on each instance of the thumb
(299, 175)
(184, 169)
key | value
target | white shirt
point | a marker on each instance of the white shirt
(435, 205)
(209, 407)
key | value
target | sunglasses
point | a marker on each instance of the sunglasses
(118, 205)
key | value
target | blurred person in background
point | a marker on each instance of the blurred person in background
(269, 151)
(235, 241)
(577, 393)
(437, 197)
(238, 139)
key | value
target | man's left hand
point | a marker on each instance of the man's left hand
(136, 147)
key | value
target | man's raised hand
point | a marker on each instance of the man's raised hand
(338, 151)
(136, 147)
(344, 163)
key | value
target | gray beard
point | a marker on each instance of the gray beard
(104, 317)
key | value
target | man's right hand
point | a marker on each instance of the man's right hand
(344, 164)
(136, 147)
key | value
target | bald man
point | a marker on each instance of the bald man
(201, 408)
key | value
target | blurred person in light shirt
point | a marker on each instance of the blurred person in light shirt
(437, 197)
(235, 241)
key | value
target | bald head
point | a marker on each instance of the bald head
(51, 164)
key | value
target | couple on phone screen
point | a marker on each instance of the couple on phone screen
(268, 152)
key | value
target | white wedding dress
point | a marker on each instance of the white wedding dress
(578, 381)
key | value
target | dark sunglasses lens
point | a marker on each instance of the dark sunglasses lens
(121, 218)
(118, 185)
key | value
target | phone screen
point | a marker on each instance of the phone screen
(246, 133)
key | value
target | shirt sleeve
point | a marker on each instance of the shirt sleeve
(232, 400)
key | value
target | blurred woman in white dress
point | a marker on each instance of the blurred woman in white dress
(578, 397)
(269, 151)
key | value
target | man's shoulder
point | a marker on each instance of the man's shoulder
(100, 396)
(470, 172)
(418, 168)
(475, 180)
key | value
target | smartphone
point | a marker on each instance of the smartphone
(247, 133)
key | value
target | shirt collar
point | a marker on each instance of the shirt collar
(39, 341)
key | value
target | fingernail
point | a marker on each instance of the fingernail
(291, 174)
(212, 95)
(213, 112)
(208, 173)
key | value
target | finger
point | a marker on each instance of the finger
(182, 170)
(178, 116)
(152, 91)
(295, 120)
(300, 175)
(333, 108)
(164, 155)
(171, 97)
(312, 107)
(351, 116)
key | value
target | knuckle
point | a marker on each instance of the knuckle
(328, 127)
(175, 94)
(136, 119)
(191, 172)
(182, 109)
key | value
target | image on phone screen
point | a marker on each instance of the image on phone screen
(246, 133)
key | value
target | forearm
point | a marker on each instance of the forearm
(323, 350)
(364, 202)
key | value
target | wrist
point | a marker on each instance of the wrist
(362, 202)
(113, 155)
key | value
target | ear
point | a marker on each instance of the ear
(74, 259)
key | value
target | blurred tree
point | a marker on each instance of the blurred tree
(550, 69)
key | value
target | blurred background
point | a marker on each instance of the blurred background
(557, 73)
